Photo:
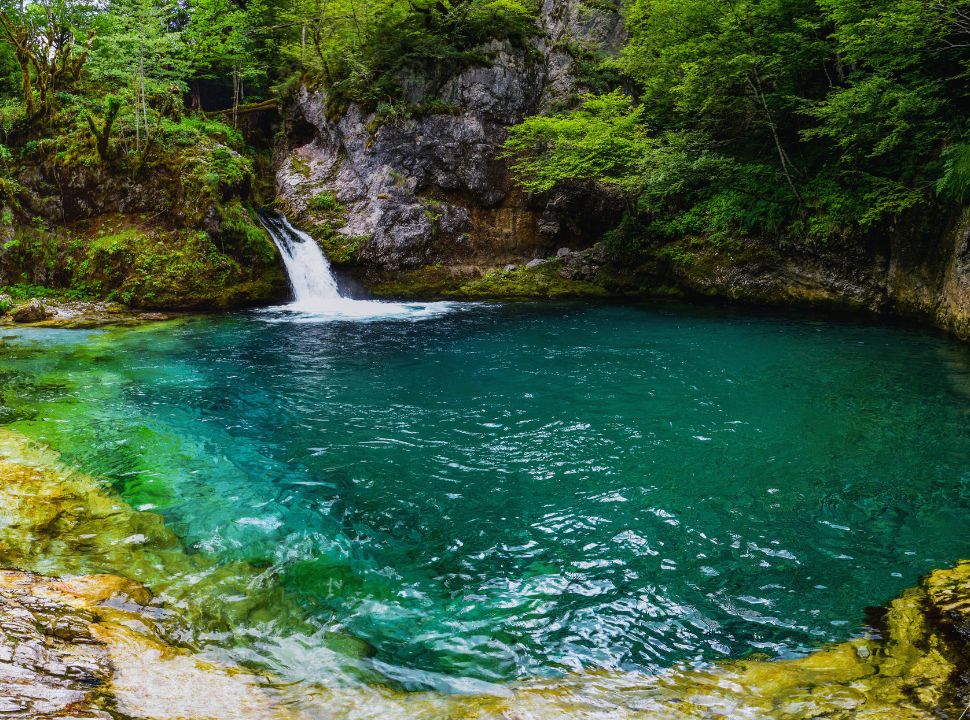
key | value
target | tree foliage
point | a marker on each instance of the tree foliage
(789, 119)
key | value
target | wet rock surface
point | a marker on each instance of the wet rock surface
(69, 649)
(49, 660)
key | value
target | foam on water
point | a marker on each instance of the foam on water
(316, 296)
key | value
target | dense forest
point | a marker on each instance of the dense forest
(806, 121)
(801, 120)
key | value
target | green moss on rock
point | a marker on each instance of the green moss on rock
(125, 259)
(544, 282)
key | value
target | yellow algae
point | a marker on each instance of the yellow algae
(57, 521)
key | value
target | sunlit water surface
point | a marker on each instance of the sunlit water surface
(495, 492)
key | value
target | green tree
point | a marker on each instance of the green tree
(137, 52)
(50, 41)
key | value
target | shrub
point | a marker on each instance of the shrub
(326, 202)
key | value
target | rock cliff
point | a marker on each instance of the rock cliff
(431, 187)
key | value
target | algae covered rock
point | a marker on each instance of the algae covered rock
(31, 312)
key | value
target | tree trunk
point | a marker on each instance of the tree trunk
(782, 155)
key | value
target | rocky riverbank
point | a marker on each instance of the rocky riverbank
(78, 643)
(77, 314)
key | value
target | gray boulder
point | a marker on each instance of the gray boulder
(34, 311)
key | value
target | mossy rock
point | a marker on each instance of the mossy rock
(543, 282)
(122, 258)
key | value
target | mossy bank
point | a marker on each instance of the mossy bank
(171, 227)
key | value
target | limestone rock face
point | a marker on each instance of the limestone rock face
(924, 277)
(432, 187)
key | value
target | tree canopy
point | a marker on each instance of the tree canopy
(807, 120)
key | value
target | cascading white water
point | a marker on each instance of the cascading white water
(306, 265)
(315, 292)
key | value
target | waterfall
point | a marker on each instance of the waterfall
(309, 271)
(316, 296)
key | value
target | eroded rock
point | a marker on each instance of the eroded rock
(434, 187)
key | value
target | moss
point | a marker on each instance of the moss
(521, 283)
(541, 282)
(299, 165)
(121, 258)
(342, 249)
(185, 269)
(326, 202)
(544, 282)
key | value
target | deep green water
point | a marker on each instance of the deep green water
(502, 491)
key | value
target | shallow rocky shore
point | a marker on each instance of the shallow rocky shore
(78, 314)
(87, 648)
(94, 645)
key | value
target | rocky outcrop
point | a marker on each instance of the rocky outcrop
(86, 648)
(431, 187)
(31, 312)
(79, 314)
(924, 277)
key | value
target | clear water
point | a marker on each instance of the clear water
(507, 491)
